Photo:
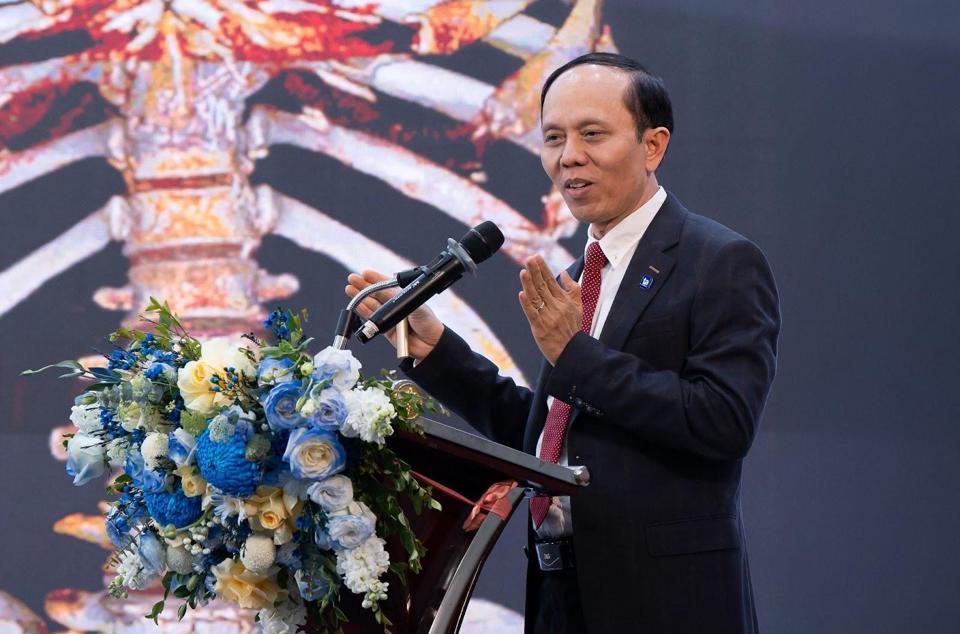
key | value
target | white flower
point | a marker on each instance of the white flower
(136, 416)
(117, 450)
(130, 569)
(258, 553)
(85, 458)
(376, 593)
(338, 365)
(154, 448)
(194, 379)
(223, 505)
(370, 414)
(362, 566)
(86, 418)
(283, 619)
(352, 526)
(332, 494)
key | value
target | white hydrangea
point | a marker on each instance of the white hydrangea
(130, 569)
(117, 450)
(283, 619)
(362, 566)
(370, 413)
(86, 418)
(154, 448)
(258, 553)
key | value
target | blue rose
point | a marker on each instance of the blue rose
(180, 446)
(274, 371)
(154, 481)
(349, 531)
(86, 458)
(280, 406)
(314, 454)
(331, 411)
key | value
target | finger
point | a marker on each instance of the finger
(539, 281)
(372, 277)
(367, 306)
(527, 285)
(531, 313)
(549, 279)
(571, 288)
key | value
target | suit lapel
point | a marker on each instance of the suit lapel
(646, 274)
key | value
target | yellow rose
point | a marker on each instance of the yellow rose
(270, 510)
(194, 382)
(248, 590)
(193, 483)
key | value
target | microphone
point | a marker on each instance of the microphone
(474, 247)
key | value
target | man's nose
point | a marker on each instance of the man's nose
(572, 154)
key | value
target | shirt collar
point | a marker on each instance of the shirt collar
(617, 242)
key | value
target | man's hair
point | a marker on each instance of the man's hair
(646, 97)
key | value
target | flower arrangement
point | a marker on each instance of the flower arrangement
(249, 472)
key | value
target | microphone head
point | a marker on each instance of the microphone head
(482, 241)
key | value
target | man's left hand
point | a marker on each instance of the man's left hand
(555, 314)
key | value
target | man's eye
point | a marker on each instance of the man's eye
(551, 138)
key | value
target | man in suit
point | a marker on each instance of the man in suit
(657, 365)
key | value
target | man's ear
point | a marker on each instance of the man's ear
(655, 142)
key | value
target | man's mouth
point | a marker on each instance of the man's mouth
(576, 185)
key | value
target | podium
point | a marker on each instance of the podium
(480, 484)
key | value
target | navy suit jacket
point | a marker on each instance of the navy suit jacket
(665, 406)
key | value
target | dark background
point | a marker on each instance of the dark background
(828, 134)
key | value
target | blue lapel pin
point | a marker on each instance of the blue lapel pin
(646, 281)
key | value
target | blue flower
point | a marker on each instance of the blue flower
(274, 371)
(314, 454)
(331, 410)
(280, 406)
(161, 370)
(133, 467)
(180, 446)
(312, 583)
(86, 458)
(153, 481)
(349, 531)
(117, 527)
(224, 465)
(152, 553)
(173, 508)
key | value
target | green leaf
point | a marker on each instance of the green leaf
(69, 364)
(181, 612)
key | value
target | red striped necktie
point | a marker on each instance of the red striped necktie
(554, 430)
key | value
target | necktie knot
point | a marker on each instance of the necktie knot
(596, 259)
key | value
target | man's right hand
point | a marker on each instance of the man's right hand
(424, 326)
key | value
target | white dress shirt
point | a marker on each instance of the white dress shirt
(618, 245)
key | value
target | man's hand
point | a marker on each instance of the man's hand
(425, 329)
(555, 314)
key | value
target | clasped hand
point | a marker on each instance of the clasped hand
(555, 313)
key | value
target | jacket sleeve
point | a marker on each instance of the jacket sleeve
(712, 406)
(471, 386)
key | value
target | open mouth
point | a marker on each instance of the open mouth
(577, 186)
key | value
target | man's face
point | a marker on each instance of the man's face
(590, 146)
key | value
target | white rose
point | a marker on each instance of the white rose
(223, 352)
(85, 458)
(339, 365)
(193, 379)
(86, 418)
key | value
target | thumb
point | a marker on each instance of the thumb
(571, 287)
